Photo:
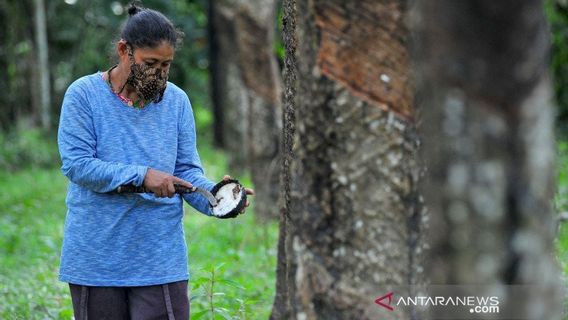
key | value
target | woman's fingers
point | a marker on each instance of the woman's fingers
(162, 183)
(226, 177)
(171, 190)
(164, 191)
(182, 182)
(250, 192)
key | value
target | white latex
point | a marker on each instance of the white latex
(228, 198)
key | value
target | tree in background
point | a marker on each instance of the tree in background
(42, 70)
(557, 13)
(352, 214)
(246, 90)
(487, 119)
(16, 63)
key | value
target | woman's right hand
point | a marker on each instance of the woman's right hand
(162, 184)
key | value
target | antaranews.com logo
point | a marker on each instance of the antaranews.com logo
(495, 301)
(476, 304)
(454, 304)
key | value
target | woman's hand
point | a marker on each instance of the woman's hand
(247, 190)
(162, 184)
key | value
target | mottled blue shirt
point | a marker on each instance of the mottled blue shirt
(135, 239)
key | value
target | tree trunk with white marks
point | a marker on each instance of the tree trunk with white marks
(246, 89)
(487, 124)
(355, 216)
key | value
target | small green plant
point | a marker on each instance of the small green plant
(212, 287)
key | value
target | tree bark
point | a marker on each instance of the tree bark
(485, 98)
(355, 214)
(246, 93)
(282, 307)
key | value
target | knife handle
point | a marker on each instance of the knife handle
(129, 188)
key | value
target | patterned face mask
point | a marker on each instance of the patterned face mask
(149, 83)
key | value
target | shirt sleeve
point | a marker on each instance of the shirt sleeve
(76, 138)
(188, 165)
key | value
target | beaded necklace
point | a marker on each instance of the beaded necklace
(139, 104)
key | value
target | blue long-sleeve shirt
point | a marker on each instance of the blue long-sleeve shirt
(135, 239)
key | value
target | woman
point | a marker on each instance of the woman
(124, 256)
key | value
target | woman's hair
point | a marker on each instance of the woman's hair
(149, 28)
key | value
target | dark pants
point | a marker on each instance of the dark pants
(168, 301)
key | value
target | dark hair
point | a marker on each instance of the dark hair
(148, 28)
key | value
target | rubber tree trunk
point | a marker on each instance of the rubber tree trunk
(246, 89)
(485, 93)
(354, 211)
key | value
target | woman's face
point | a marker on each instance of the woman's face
(160, 56)
(147, 69)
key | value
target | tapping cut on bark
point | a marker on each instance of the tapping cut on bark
(371, 64)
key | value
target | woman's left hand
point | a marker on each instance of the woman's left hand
(248, 191)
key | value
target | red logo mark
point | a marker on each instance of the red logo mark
(386, 306)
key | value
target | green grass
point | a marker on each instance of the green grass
(241, 252)
(561, 204)
(32, 210)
